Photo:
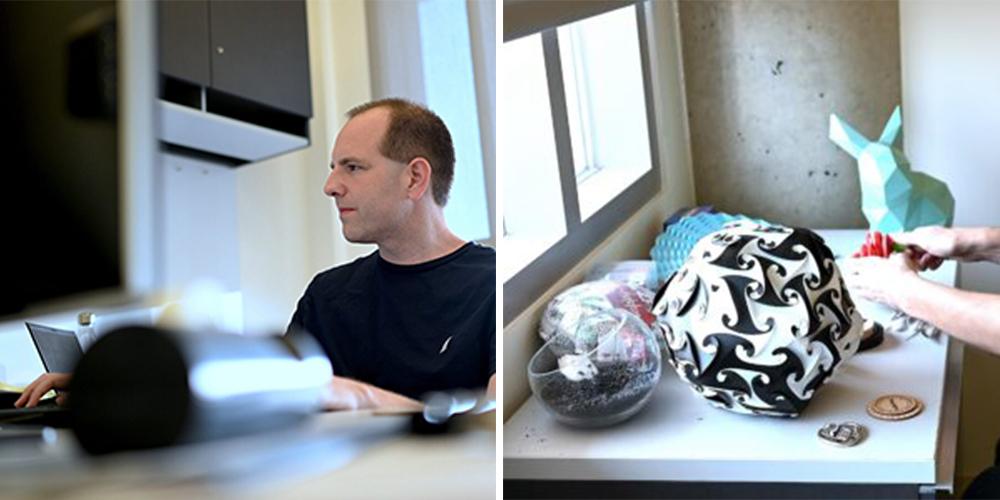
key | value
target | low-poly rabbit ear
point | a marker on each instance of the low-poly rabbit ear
(846, 137)
(891, 131)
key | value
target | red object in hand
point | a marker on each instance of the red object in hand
(878, 245)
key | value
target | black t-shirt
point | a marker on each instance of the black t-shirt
(408, 329)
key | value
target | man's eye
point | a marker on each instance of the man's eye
(352, 167)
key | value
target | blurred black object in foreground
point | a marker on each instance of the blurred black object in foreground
(141, 387)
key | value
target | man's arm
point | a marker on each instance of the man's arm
(343, 393)
(966, 244)
(348, 394)
(981, 243)
(970, 316)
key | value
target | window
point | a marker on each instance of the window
(532, 184)
(605, 106)
(578, 145)
(436, 52)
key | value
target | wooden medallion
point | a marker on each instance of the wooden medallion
(895, 407)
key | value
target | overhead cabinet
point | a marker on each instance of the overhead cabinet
(183, 41)
(244, 61)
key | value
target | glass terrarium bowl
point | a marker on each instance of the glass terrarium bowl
(601, 375)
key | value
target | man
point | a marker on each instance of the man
(417, 315)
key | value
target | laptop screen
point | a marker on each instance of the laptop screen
(58, 349)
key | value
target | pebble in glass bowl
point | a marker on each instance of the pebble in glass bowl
(601, 375)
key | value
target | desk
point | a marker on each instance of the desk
(679, 440)
(334, 455)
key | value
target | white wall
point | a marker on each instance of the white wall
(951, 121)
(483, 29)
(634, 238)
(414, 57)
(198, 221)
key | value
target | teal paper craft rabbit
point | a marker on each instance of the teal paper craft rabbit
(894, 197)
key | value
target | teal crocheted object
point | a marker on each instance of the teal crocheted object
(675, 243)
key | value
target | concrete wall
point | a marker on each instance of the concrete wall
(951, 117)
(762, 78)
(633, 239)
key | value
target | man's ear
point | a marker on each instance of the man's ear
(419, 170)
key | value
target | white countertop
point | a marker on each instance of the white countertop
(332, 455)
(680, 437)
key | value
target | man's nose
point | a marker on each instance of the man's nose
(333, 186)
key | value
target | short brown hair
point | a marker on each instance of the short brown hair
(416, 131)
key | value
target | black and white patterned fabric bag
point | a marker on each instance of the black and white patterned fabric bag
(758, 318)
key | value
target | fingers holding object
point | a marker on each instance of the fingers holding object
(928, 261)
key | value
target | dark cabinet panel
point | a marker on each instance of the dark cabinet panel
(259, 51)
(184, 40)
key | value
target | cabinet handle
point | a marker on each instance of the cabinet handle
(220, 49)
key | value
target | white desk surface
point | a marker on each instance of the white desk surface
(334, 455)
(680, 437)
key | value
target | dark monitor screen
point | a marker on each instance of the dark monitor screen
(59, 349)
(60, 147)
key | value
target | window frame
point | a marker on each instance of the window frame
(522, 289)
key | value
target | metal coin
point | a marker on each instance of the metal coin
(842, 434)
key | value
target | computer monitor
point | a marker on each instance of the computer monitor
(59, 349)
(77, 139)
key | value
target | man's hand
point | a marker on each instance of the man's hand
(884, 280)
(349, 394)
(938, 240)
(929, 246)
(923, 260)
(35, 390)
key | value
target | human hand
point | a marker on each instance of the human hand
(884, 280)
(35, 390)
(929, 246)
(347, 394)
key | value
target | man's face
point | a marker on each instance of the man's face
(370, 189)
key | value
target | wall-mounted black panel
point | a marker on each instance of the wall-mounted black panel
(184, 40)
(259, 51)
